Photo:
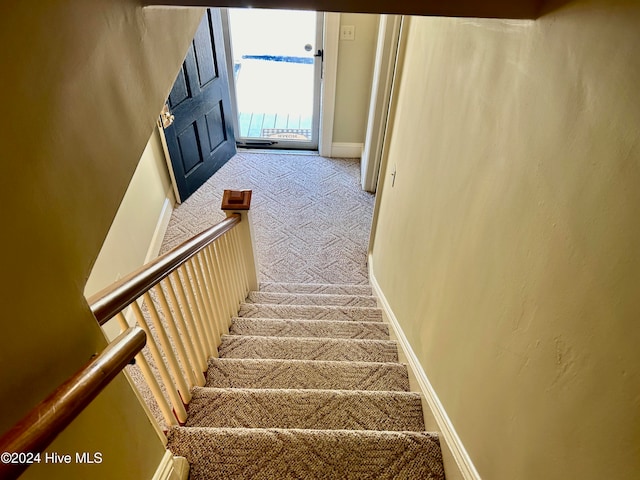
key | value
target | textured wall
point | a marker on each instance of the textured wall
(353, 82)
(82, 84)
(131, 233)
(508, 247)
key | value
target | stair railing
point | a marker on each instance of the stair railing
(35, 432)
(184, 301)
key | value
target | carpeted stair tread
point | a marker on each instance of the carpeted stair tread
(306, 374)
(238, 453)
(311, 299)
(290, 348)
(310, 312)
(313, 409)
(272, 327)
(323, 288)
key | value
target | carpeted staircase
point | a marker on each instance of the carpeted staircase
(307, 386)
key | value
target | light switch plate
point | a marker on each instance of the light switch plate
(347, 32)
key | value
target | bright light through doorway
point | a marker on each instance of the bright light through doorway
(274, 67)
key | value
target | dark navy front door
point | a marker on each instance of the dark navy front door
(201, 138)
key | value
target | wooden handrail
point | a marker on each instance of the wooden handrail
(108, 302)
(42, 424)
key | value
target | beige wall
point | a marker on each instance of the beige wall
(83, 83)
(509, 246)
(353, 83)
(132, 233)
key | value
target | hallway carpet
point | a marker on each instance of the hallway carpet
(311, 218)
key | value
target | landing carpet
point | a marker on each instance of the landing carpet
(311, 217)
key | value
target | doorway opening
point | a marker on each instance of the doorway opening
(274, 60)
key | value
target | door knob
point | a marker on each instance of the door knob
(166, 117)
(308, 47)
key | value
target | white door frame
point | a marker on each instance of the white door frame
(383, 75)
(329, 74)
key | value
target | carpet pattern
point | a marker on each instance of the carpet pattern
(311, 218)
(316, 299)
(313, 409)
(267, 454)
(283, 348)
(306, 374)
(311, 312)
(292, 397)
(317, 288)
(271, 327)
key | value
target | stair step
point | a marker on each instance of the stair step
(275, 327)
(311, 299)
(314, 409)
(302, 374)
(330, 289)
(239, 453)
(246, 346)
(310, 312)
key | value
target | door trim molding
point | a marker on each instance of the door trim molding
(319, 92)
(328, 93)
(167, 158)
(383, 76)
(228, 51)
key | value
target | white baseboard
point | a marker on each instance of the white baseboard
(346, 150)
(447, 432)
(172, 468)
(161, 228)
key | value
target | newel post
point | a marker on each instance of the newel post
(239, 201)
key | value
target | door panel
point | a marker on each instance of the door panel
(180, 89)
(201, 138)
(204, 51)
(190, 149)
(214, 121)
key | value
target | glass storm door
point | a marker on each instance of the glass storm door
(275, 62)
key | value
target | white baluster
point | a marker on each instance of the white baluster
(197, 294)
(172, 361)
(208, 298)
(223, 320)
(237, 255)
(235, 273)
(230, 306)
(212, 296)
(199, 316)
(186, 290)
(152, 383)
(170, 318)
(176, 401)
(196, 357)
